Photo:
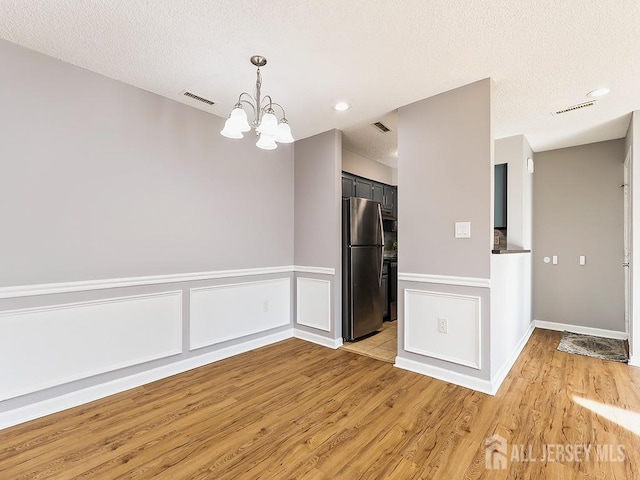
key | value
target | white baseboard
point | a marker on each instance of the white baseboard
(499, 377)
(460, 379)
(86, 395)
(318, 339)
(598, 332)
(634, 360)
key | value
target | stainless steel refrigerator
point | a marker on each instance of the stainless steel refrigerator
(362, 262)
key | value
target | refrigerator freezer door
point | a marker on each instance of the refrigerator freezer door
(365, 222)
(367, 308)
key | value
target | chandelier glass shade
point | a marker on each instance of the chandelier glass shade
(270, 129)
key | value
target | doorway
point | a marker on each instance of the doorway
(381, 345)
(369, 170)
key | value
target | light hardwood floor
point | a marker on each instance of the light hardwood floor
(295, 410)
(382, 345)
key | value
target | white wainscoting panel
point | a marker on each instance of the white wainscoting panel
(225, 312)
(48, 346)
(462, 342)
(314, 303)
(101, 390)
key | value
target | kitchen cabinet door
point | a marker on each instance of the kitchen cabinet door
(387, 198)
(500, 196)
(385, 295)
(395, 202)
(348, 186)
(364, 188)
(378, 193)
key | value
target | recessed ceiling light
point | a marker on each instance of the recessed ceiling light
(598, 92)
(341, 106)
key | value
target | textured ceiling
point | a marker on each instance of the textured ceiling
(369, 141)
(378, 55)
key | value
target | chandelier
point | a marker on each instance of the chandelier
(265, 122)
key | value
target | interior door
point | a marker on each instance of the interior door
(627, 237)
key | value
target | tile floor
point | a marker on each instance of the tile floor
(382, 345)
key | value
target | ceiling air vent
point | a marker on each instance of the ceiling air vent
(577, 106)
(381, 126)
(197, 97)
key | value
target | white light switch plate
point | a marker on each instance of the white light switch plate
(463, 230)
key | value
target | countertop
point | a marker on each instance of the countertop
(502, 252)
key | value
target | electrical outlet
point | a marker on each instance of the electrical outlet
(265, 306)
(443, 325)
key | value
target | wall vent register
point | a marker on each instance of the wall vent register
(381, 126)
(577, 106)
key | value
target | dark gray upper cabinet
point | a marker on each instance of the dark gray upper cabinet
(500, 197)
(348, 186)
(386, 195)
(378, 193)
(395, 202)
(364, 188)
(388, 198)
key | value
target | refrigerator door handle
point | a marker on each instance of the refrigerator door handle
(381, 225)
(381, 247)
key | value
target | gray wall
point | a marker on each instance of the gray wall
(104, 180)
(445, 177)
(318, 229)
(445, 174)
(101, 180)
(578, 210)
(317, 171)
